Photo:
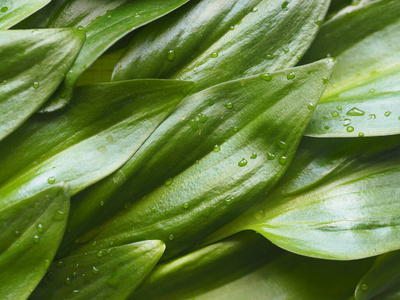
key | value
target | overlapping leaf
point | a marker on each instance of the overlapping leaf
(243, 133)
(211, 42)
(105, 22)
(349, 211)
(13, 11)
(362, 96)
(102, 128)
(30, 233)
(246, 267)
(111, 273)
(32, 65)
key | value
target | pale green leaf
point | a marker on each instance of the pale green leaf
(13, 11)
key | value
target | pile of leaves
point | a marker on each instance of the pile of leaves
(202, 149)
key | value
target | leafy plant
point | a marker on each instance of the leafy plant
(141, 141)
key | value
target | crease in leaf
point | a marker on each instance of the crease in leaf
(30, 233)
(244, 143)
(211, 42)
(361, 98)
(111, 273)
(99, 132)
(105, 22)
(14, 11)
(32, 65)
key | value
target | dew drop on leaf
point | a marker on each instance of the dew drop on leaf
(217, 148)
(242, 163)
(171, 55)
(350, 129)
(51, 180)
(171, 237)
(355, 112)
(229, 105)
(266, 76)
(214, 54)
(40, 228)
(388, 113)
(36, 239)
(291, 76)
(168, 182)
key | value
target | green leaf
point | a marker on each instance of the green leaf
(362, 96)
(382, 281)
(211, 42)
(101, 129)
(349, 214)
(246, 267)
(105, 22)
(13, 11)
(32, 65)
(244, 142)
(30, 233)
(112, 273)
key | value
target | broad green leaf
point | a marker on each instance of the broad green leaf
(13, 11)
(362, 96)
(105, 22)
(351, 214)
(246, 267)
(32, 65)
(243, 143)
(382, 281)
(111, 273)
(101, 129)
(211, 42)
(30, 233)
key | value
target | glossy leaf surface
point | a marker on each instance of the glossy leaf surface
(32, 65)
(351, 213)
(105, 22)
(111, 273)
(246, 267)
(13, 11)
(30, 233)
(244, 142)
(361, 98)
(100, 131)
(214, 41)
(382, 281)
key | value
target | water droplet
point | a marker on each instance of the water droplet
(326, 127)
(350, 129)
(108, 251)
(242, 163)
(47, 263)
(283, 160)
(171, 55)
(355, 112)
(346, 122)
(168, 181)
(310, 106)
(298, 57)
(259, 215)
(266, 76)
(59, 264)
(171, 237)
(270, 57)
(40, 228)
(4, 9)
(36, 239)
(101, 203)
(232, 28)
(254, 9)
(372, 91)
(325, 80)
(110, 139)
(364, 287)
(335, 114)
(17, 232)
(185, 205)
(36, 85)
(217, 148)
(229, 105)
(74, 274)
(228, 201)
(214, 54)
(102, 149)
(67, 280)
(81, 27)
(253, 155)
(100, 253)
(372, 116)
(153, 209)
(339, 108)
(388, 113)
(318, 22)
(360, 134)
(51, 180)
(95, 270)
(281, 145)
(286, 49)
(113, 281)
(235, 129)
(59, 215)
(285, 5)
(270, 156)
(291, 76)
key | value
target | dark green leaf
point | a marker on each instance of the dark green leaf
(32, 65)
(382, 282)
(30, 233)
(244, 142)
(111, 273)
(245, 267)
(13, 11)
(362, 96)
(211, 42)
(105, 23)
(104, 125)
